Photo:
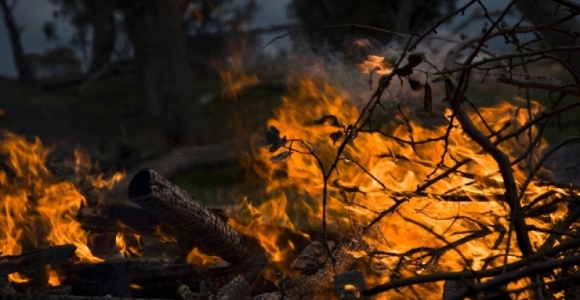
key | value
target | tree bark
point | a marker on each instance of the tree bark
(164, 77)
(25, 73)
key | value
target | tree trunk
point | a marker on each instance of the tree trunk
(165, 79)
(104, 33)
(25, 74)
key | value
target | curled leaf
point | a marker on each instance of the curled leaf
(279, 144)
(281, 156)
(336, 136)
(415, 85)
(345, 188)
(330, 119)
(273, 139)
(415, 59)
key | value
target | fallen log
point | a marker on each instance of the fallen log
(197, 226)
(35, 260)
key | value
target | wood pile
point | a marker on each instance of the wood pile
(241, 273)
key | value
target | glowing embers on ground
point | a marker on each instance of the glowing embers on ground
(39, 207)
(395, 168)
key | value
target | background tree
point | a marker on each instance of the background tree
(164, 77)
(25, 73)
(400, 16)
(95, 15)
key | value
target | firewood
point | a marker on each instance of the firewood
(321, 283)
(146, 277)
(348, 285)
(237, 289)
(269, 296)
(35, 260)
(311, 259)
(196, 225)
(109, 214)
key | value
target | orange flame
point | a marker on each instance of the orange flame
(53, 278)
(234, 77)
(375, 171)
(38, 208)
(129, 245)
(375, 63)
(198, 258)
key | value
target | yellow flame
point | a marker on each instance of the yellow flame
(53, 278)
(199, 258)
(376, 64)
(17, 278)
(427, 220)
(234, 77)
(39, 208)
(129, 245)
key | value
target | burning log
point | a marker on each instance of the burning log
(312, 258)
(35, 260)
(158, 278)
(196, 225)
(321, 283)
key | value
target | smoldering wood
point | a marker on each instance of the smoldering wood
(108, 215)
(311, 259)
(196, 224)
(35, 260)
(343, 282)
(154, 278)
(102, 244)
(320, 284)
(237, 289)
(269, 296)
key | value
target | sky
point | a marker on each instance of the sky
(32, 14)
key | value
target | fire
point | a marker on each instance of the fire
(53, 278)
(38, 207)
(375, 63)
(234, 77)
(198, 258)
(379, 170)
(129, 245)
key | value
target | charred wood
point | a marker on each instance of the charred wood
(269, 296)
(348, 285)
(196, 225)
(321, 284)
(150, 278)
(237, 289)
(36, 260)
(311, 259)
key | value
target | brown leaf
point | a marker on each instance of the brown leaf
(414, 60)
(415, 85)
